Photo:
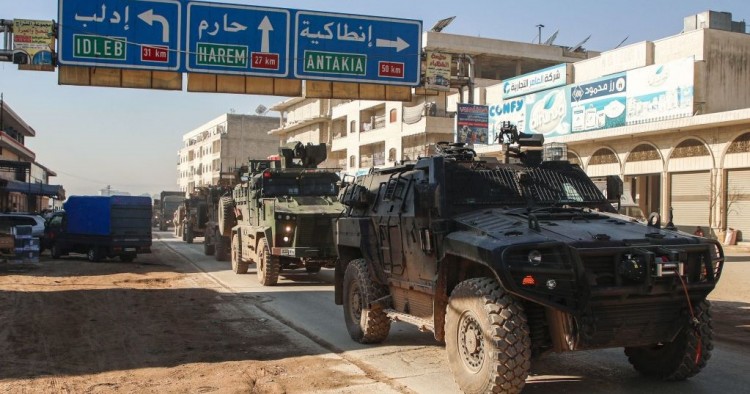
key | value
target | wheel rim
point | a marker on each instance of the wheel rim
(471, 342)
(355, 302)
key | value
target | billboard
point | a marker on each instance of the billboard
(438, 71)
(598, 104)
(548, 113)
(661, 91)
(543, 79)
(33, 43)
(471, 124)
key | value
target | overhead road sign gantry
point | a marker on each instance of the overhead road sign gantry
(237, 39)
(355, 48)
(133, 34)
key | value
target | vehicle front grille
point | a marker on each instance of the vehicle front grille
(314, 231)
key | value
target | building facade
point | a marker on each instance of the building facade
(218, 147)
(677, 130)
(671, 117)
(24, 183)
(361, 134)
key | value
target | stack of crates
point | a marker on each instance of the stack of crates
(27, 246)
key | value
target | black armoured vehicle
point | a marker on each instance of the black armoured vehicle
(505, 261)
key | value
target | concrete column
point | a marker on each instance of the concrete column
(666, 191)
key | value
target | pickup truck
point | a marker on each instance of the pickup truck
(101, 227)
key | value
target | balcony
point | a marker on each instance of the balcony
(375, 122)
(298, 124)
(429, 125)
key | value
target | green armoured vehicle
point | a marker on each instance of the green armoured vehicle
(284, 211)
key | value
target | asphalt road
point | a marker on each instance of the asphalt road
(411, 361)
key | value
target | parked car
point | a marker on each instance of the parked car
(8, 220)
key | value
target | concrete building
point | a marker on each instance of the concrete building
(670, 116)
(220, 146)
(681, 141)
(362, 134)
(24, 183)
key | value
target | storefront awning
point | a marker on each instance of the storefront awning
(39, 189)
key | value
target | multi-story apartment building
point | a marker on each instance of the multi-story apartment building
(361, 134)
(24, 183)
(222, 145)
(682, 147)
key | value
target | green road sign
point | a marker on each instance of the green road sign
(335, 63)
(221, 55)
(98, 47)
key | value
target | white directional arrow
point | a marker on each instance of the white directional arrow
(265, 27)
(399, 44)
(149, 17)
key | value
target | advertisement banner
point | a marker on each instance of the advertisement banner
(544, 79)
(438, 71)
(598, 104)
(33, 42)
(471, 124)
(661, 91)
(511, 110)
(547, 113)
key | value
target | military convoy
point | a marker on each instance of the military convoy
(281, 214)
(505, 261)
(168, 204)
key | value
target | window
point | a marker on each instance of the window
(392, 155)
(352, 161)
(393, 115)
(353, 126)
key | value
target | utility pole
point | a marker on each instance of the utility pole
(540, 26)
(2, 113)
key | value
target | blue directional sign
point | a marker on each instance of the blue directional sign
(237, 39)
(355, 48)
(137, 34)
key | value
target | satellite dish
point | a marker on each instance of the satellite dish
(261, 109)
(551, 38)
(580, 44)
(442, 24)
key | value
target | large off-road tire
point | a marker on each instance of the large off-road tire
(222, 248)
(208, 248)
(267, 266)
(366, 323)
(227, 218)
(487, 338)
(238, 266)
(681, 358)
(94, 254)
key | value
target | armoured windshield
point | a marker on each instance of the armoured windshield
(324, 185)
(522, 186)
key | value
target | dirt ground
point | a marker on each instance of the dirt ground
(70, 326)
(156, 326)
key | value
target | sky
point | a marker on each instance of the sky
(128, 139)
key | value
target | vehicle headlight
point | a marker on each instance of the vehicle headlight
(288, 229)
(535, 257)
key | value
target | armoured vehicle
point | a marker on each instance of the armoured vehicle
(170, 201)
(216, 239)
(508, 260)
(191, 217)
(284, 211)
